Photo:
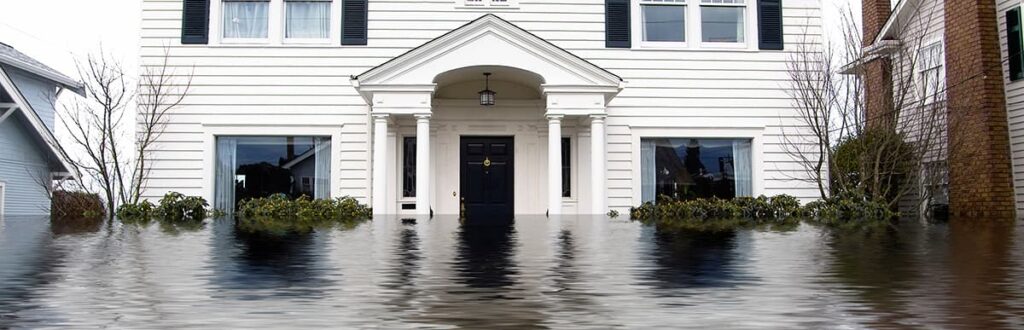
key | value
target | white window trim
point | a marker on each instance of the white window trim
(754, 133)
(919, 71)
(333, 29)
(275, 28)
(694, 36)
(488, 4)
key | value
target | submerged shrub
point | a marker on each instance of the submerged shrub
(757, 209)
(848, 207)
(138, 212)
(280, 214)
(177, 207)
(76, 205)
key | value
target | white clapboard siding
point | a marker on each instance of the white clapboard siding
(248, 84)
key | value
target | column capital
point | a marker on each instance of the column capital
(422, 116)
(380, 116)
(554, 117)
(598, 117)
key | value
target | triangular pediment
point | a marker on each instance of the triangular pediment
(488, 41)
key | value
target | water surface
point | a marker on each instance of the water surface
(535, 273)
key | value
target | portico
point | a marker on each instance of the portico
(545, 95)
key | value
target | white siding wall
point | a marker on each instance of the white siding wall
(1014, 107)
(299, 85)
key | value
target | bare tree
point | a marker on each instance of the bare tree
(100, 125)
(893, 148)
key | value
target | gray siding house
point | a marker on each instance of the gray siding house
(29, 152)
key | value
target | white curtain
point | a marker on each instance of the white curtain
(648, 171)
(224, 195)
(308, 19)
(742, 167)
(322, 169)
(245, 19)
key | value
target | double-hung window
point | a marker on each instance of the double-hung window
(930, 72)
(664, 21)
(246, 19)
(722, 21)
(307, 19)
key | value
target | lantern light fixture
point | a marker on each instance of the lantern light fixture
(487, 95)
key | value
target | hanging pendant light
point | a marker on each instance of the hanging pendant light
(487, 95)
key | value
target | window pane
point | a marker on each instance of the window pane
(722, 24)
(566, 167)
(683, 168)
(308, 19)
(245, 19)
(664, 23)
(262, 166)
(409, 166)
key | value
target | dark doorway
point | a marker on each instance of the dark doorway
(486, 179)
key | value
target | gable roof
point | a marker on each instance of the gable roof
(899, 16)
(36, 124)
(496, 25)
(12, 57)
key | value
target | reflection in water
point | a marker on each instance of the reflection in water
(287, 264)
(484, 256)
(686, 258)
(534, 273)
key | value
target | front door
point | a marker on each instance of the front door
(487, 177)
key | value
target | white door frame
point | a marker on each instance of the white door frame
(3, 198)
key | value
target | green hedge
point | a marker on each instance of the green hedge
(280, 214)
(174, 207)
(845, 208)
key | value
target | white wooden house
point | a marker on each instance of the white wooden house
(598, 104)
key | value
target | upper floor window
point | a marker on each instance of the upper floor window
(693, 23)
(664, 20)
(307, 19)
(930, 72)
(246, 19)
(722, 20)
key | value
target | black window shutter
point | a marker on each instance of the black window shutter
(1013, 43)
(769, 18)
(195, 21)
(616, 23)
(353, 22)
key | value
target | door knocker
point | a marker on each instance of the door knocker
(487, 165)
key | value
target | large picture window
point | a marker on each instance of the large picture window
(246, 19)
(688, 168)
(252, 167)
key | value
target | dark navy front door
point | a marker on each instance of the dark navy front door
(486, 179)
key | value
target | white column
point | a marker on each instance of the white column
(597, 165)
(423, 164)
(555, 164)
(380, 159)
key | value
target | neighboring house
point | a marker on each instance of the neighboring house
(597, 104)
(29, 155)
(967, 57)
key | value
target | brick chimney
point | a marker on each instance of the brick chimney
(878, 72)
(980, 172)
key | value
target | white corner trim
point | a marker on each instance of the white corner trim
(212, 130)
(3, 199)
(756, 134)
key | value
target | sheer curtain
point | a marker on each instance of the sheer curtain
(648, 174)
(224, 189)
(742, 167)
(322, 169)
(246, 19)
(308, 19)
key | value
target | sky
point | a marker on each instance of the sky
(54, 31)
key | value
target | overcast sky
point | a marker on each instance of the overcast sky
(52, 30)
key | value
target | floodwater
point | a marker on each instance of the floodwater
(537, 273)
